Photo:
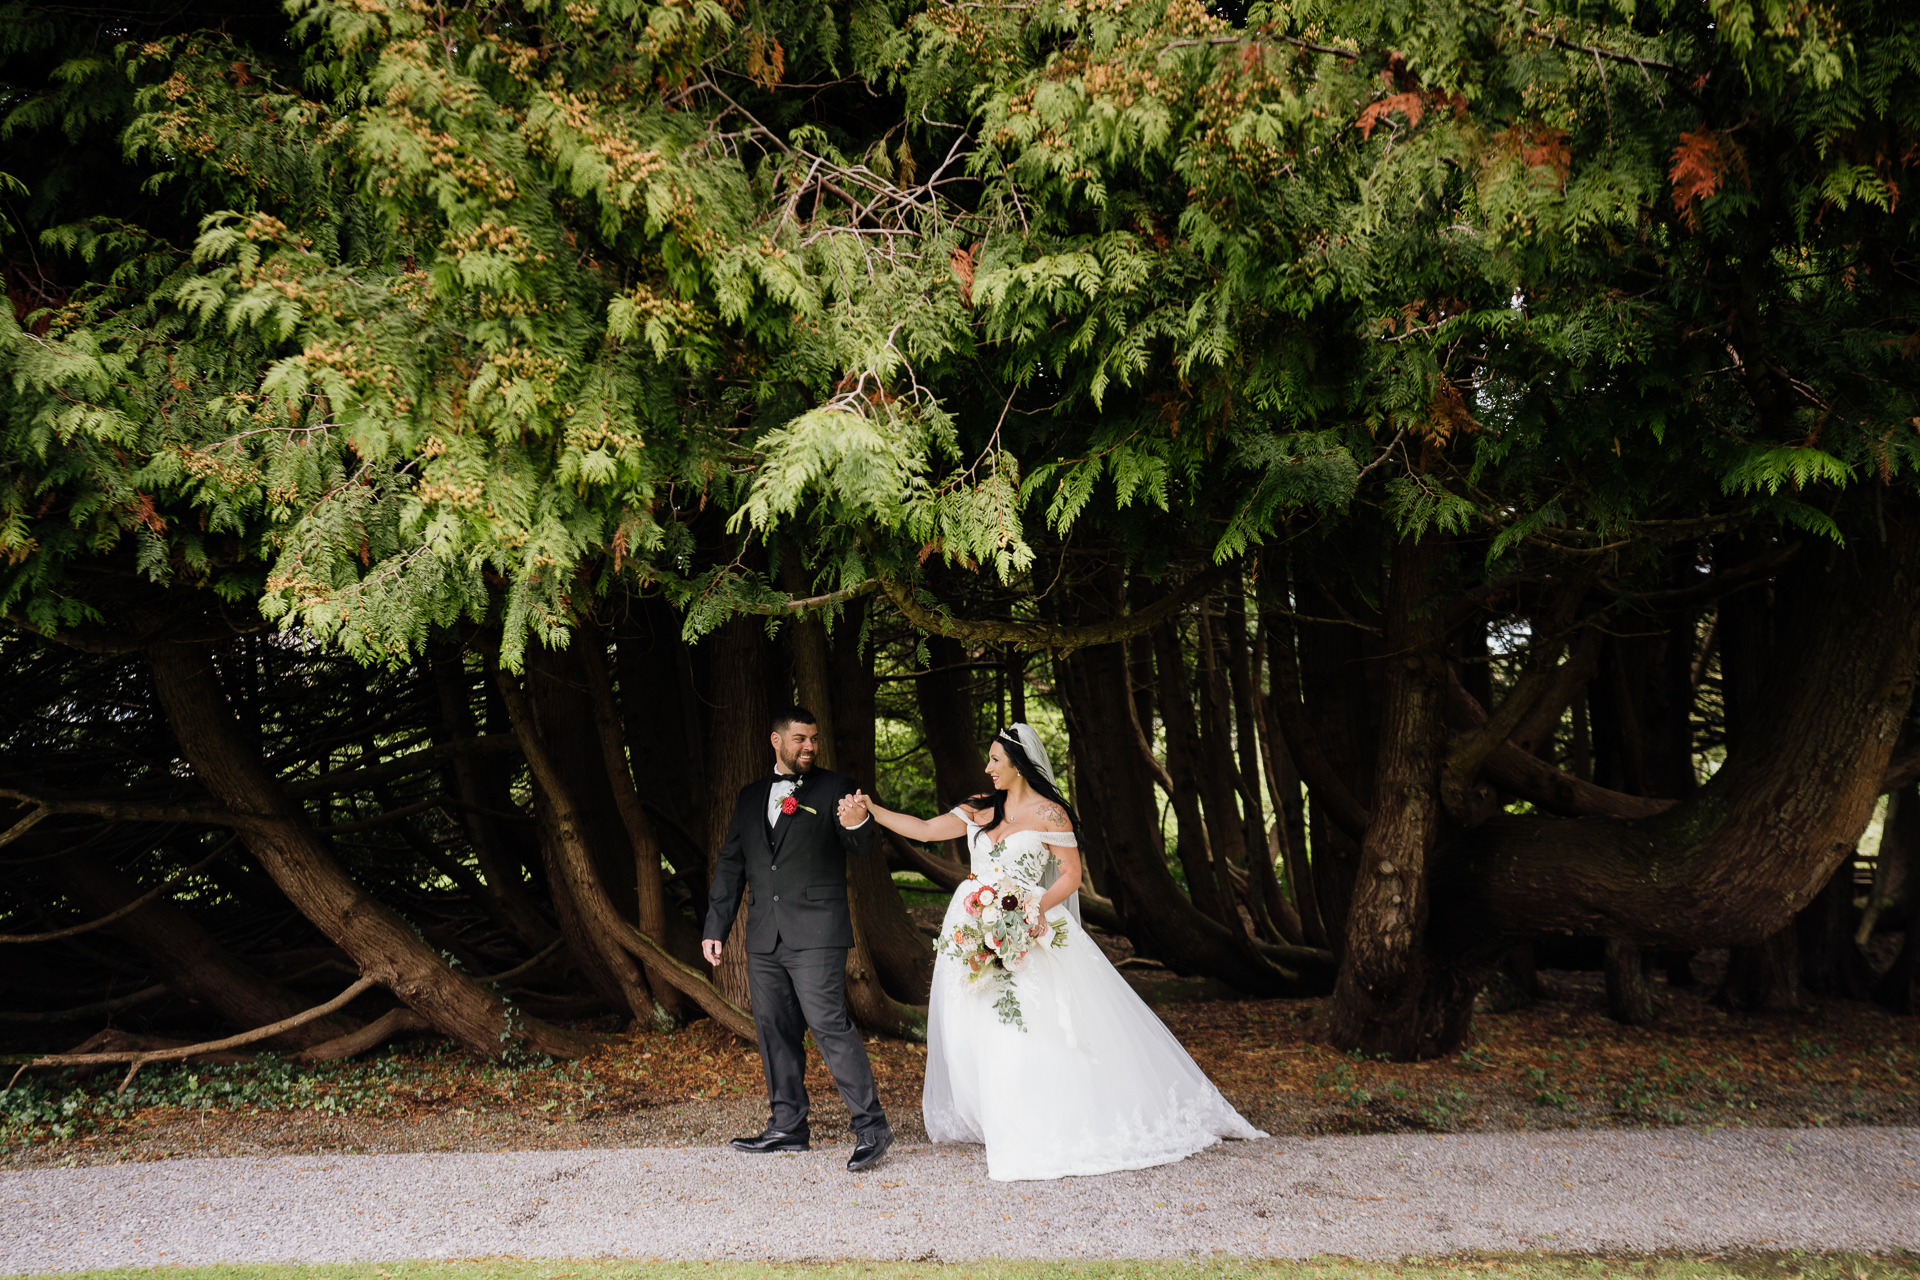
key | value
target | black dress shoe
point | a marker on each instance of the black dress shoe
(867, 1151)
(774, 1140)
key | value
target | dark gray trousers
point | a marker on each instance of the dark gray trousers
(795, 991)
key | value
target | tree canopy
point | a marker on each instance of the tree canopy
(391, 325)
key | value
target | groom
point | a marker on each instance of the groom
(787, 850)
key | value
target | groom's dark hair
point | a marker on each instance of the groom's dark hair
(792, 716)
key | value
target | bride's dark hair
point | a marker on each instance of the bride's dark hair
(996, 799)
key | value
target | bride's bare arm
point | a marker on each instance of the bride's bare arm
(1054, 819)
(947, 826)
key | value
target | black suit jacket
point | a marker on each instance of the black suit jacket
(795, 876)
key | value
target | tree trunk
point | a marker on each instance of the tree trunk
(1831, 963)
(888, 954)
(564, 717)
(737, 753)
(1896, 871)
(650, 891)
(383, 945)
(184, 955)
(1629, 993)
(665, 736)
(1335, 693)
(947, 719)
(577, 870)
(1116, 798)
(1898, 988)
(500, 871)
(1765, 976)
(1264, 845)
(1186, 763)
(1734, 863)
(1228, 815)
(1283, 781)
(1389, 998)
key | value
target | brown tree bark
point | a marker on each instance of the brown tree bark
(1735, 862)
(1765, 976)
(1227, 820)
(1116, 803)
(1390, 997)
(1186, 764)
(1629, 993)
(1264, 845)
(1831, 963)
(946, 717)
(383, 945)
(737, 752)
(557, 697)
(500, 866)
(649, 889)
(577, 869)
(1283, 782)
(1340, 674)
(660, 705)
(888, 954)
(184, 955)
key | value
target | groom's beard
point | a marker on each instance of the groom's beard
(792, 764)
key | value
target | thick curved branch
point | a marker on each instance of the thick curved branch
(140, 1058)
(1536, 689)
(1533, 779)
(412, 762)
(826, 601)
(121, 811)
(584, 881)
(94, 1010)
(1041, 635)
(139, 902)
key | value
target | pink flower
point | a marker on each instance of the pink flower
(959, 937)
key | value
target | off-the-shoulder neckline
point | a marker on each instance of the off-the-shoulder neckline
(1038, 831)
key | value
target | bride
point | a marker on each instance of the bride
(1074, 1075)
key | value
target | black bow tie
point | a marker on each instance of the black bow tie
(795, 778)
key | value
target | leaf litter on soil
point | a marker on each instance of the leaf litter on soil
(1554, 1063)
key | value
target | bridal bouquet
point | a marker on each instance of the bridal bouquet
(1003, 931)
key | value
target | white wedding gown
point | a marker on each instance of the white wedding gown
(1095, 1082)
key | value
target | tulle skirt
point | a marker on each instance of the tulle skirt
(1095, 1082)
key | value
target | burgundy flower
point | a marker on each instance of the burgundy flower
(1010, 903)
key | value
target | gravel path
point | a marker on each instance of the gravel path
(1852, 1189)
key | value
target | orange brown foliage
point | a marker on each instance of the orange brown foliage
(1702, 163)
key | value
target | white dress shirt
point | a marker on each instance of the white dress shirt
(784, 785)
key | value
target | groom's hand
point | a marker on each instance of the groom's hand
(710, 948)
(853, 809)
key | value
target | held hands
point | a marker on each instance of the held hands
(853, 809)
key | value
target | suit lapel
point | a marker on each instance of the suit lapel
(785, 823)
(761, 790)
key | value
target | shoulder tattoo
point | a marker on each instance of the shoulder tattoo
(1053, 813)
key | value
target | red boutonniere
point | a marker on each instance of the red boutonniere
(790, 806)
